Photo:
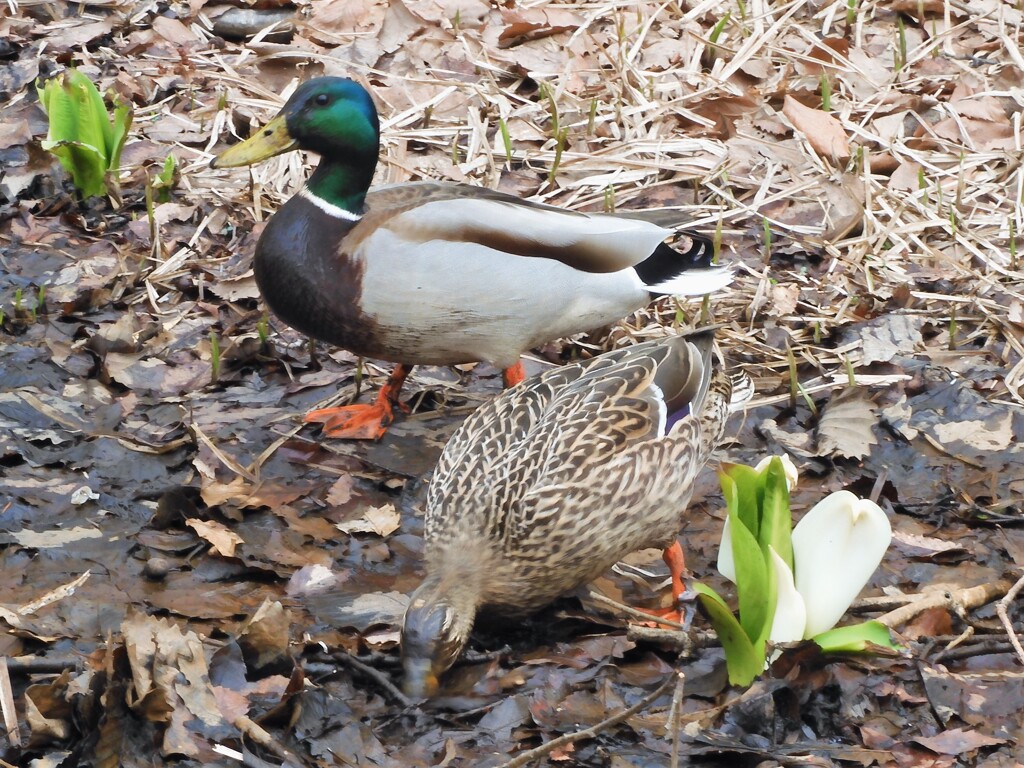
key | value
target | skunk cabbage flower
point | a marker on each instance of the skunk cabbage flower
(832, 552)
(836, 548)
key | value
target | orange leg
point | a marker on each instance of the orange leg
(364, 422)
(676, 562)
(673, 557)
(514, 375)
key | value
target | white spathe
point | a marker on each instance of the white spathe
(790, 620)
(836, 548)
(792, 473)
(726, 562)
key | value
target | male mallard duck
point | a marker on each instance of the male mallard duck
(436, 274)
(545, 487)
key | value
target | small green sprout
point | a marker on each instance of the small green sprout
(506, 140)
(262, 329)
(716, 32)
(826, 93)
(1013, 245)
(901, 44)
(214, 357)
(164, 181)
(609, 199)
(82, 135)
(560, 140)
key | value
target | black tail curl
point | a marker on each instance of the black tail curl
(666, 262)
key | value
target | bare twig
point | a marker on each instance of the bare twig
(678, 640)
(36, 665)
(960, 601)
(374, 674)
(673, 718)
(1001, 611)
(261, 737)
(635, 613)
(956, 642)
(588, 733)
(7, 704)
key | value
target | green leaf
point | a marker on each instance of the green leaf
(747, 492)
(856, 638)
(80, 133)
(744, 660)
(776, 517)
(119, 133)
(754, 582)
(83, 163)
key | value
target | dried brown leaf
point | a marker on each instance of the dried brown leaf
(845, 427)
(383, 521)
(958, 741)
(222, 539)
(823, 132)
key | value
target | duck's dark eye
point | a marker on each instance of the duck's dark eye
(322, 99)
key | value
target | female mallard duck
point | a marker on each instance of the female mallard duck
(545, 487)
(436, 274)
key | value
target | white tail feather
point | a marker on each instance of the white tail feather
(694, 282)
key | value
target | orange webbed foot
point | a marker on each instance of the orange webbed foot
(355, 422)
(364, 422)
(681, 611)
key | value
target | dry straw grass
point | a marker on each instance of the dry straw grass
(920, 219)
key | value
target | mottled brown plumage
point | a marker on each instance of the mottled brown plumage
(547, 486)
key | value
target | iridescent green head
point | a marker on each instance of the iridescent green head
(332, 116)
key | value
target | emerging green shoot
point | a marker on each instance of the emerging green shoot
(164, 181)
(851, 13)
(716, 32)
(548, 94)
(1013, 245)
(262, 329)
(952, 327)
(609, 199)
(808, 400)
(82, 135)
(214, 357)
(826, 93)
(560, 140)
(794, 381)
(766, 229)
(901, 44)
(506, 139)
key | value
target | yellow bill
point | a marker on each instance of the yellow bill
(272, 139)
